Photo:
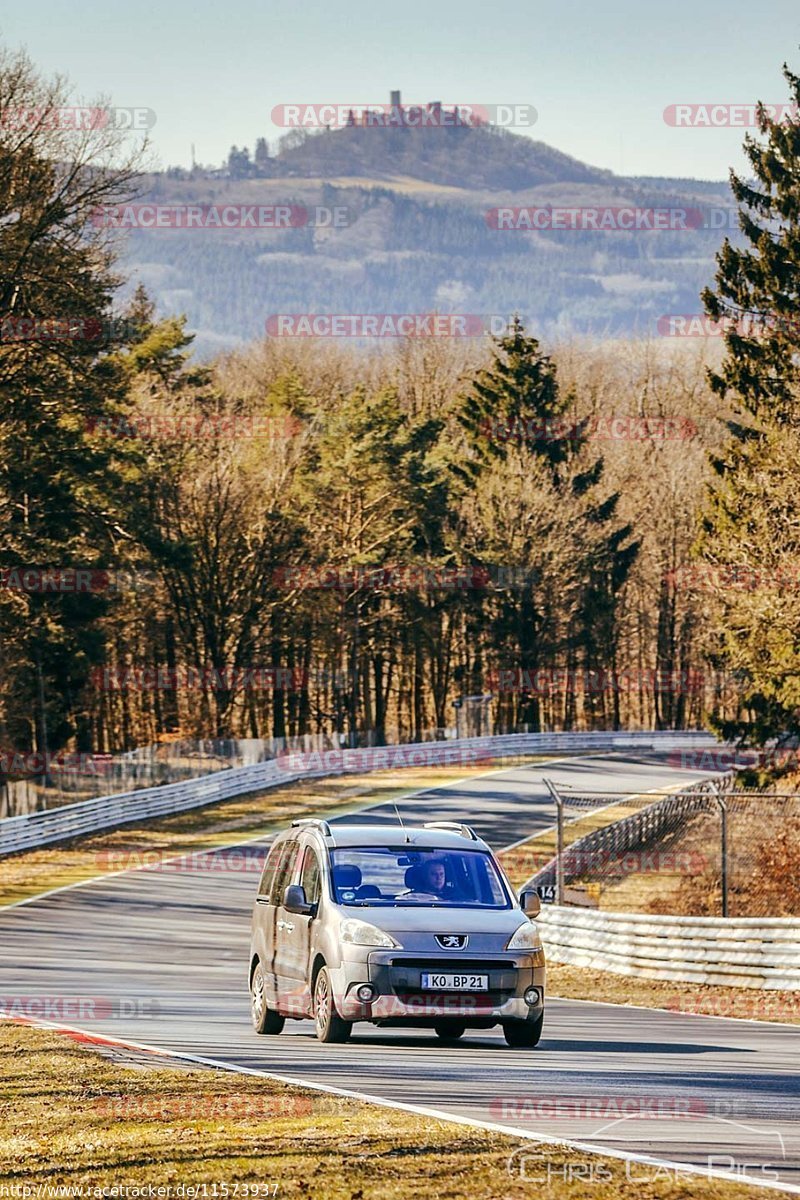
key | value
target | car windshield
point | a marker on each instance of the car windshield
(374, 875)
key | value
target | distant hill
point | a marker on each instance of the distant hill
(419, 239)
(460, 156)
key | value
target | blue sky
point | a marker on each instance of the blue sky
(599, 80)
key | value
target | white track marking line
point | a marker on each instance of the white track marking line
(417, 1109)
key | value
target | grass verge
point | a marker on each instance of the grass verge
(754, 1004)
(70, 1116)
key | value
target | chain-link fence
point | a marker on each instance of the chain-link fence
(712, 850)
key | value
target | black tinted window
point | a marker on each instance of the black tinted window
(310, 876)
(284, 868)
(268, 874)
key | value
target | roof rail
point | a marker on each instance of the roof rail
(323, 826)
(466, 831)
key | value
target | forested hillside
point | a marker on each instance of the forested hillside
(418, 236)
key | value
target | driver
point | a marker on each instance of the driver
(433, 878)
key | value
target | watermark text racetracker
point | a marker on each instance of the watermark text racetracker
(237, 860)
(597, 219)
(70, 327)
(385, 325)
(753, 325)
(222, 216)
(548, 681)
(76, 1008)
(33, 764)
(395, 115)
(727, 115)
(600, 426)
(195, 426)
(142, 677)
(386, 758)
(611, 218)
(76, 118)
(59, 580)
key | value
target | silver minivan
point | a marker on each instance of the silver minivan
(396, 925)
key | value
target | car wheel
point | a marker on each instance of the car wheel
(330, 1026)
(524, 1033)
(450, 1031)
(264, 1019)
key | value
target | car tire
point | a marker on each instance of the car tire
(265, 1020)
(523, 1033)
(329, 1025)
(450, 1031)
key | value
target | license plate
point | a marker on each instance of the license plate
(455, 983)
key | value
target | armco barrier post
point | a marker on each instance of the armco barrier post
(559, 840)
(723, 845)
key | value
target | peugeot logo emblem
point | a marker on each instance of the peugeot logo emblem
(452, 941)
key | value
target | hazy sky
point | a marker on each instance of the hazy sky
(600, 80)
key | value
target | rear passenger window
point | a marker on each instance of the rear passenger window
(268, 874)
(310, 876)
(284, 869)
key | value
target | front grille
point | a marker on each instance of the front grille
(452, 961)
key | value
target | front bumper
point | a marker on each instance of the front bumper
(396, 977)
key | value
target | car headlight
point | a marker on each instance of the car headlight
(526, 937)
(353, 932)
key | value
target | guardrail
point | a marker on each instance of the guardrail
(753, 952)
(108, 812)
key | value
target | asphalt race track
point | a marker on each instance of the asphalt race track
(160, 957)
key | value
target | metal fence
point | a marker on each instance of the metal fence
(707, 851)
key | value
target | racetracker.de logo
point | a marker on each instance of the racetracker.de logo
(165, 426)
(77, 118)
(383, 325)
(726, 116)
(601, 1108)
(395, 115)
(140, 678)
(31, 764)
(332, 578)
(72, 580)
(69, 328)
(549, 218)
(596, 427)
(72, 1008)
(384, 758)
(232, 1107)
(754, 325)
(236, 861)
(552, 681)
(222, 216)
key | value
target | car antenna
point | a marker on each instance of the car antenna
(400, 819)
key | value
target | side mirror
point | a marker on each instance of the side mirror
(530, 904)
(294, 901)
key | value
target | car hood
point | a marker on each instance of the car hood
(423, 919)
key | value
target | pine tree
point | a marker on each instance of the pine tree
(61, 489)
(517, 400)
(751, 526)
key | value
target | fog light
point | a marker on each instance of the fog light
(533, 997)
(365, 992)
